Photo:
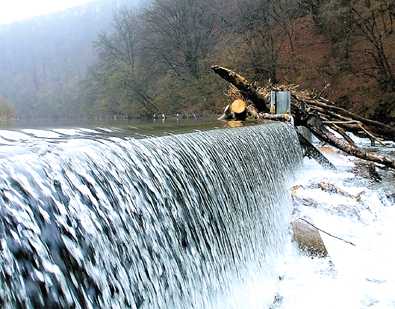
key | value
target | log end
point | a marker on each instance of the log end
(237, 110)
(238, 107)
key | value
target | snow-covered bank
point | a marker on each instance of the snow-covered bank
(360, 212)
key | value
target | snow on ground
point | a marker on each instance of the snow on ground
(360, 212)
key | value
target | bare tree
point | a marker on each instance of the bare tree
(121, 60)
(181, 33)
(265, 28)
(120, 47)
(284, 14)
(337, 24)
(313, 7)
(374, 20)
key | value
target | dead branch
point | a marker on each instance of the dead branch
(329, 234)
(273, 117)
(325, 135)
(247, 89)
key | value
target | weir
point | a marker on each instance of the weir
(168, 222)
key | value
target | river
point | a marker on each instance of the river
(185, 214)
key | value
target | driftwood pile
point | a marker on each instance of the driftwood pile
(328, 122)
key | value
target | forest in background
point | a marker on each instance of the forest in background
(43, 61)
(156, 57)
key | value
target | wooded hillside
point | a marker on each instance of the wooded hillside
(157, 58)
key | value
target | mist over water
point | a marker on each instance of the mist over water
(172, 222)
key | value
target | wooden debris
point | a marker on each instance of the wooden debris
(253, 111)
(327, 136)
(305, 201)
(296, 188)
(247, 89)
(329, 123)
(312, 152)
(327, 149)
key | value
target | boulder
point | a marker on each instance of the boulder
(308, 239)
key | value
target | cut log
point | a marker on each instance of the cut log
(239, 109)
(238, 106)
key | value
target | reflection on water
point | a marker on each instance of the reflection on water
(140, 123)
(26, 131)
(234, 124)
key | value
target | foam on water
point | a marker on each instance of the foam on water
(352, 277)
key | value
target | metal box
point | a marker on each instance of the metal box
(280, 102)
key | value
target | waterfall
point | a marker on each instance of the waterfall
(166, 222)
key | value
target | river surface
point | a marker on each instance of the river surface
(151, 126)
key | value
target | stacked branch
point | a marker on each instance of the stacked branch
(310, 109)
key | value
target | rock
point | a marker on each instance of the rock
(367, 170)
(308, 239)
(278, 300)
(299, 201)
(333, 189)
(391, 197)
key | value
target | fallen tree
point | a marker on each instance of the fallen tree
(328, 122)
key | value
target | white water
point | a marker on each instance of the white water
(186, 221)
(352, 277)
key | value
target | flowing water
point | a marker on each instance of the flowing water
(103, 220)
(361, 210)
